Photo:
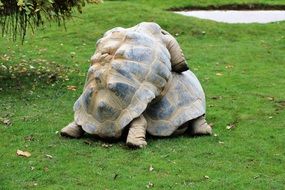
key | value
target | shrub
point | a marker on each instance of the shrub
(18, 15)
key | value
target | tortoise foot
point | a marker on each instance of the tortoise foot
(137, 131)
(72, 130)
(136, 142)
(201, 127)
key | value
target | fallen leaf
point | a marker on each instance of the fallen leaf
(5, 121)
(206, 177)
(230, 126)
(88, 142)
(72, 88)
(229, 66)
(149, 185)
(46, 169)
(23, 153)
(255, 177)
(150, 168)
(29, 138)
(49, 156)
(106, 145)
(72, 54)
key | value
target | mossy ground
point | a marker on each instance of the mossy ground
(241, 68)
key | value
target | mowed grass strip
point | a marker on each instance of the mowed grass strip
(241, 68)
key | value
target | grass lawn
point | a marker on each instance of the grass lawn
(241, 68)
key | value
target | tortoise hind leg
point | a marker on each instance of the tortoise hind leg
(137, 131)
(72, 130)
(199, 126)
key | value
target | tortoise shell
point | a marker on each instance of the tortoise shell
(129, 69)
(183, 101)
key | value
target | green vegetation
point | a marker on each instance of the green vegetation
(240, 66)
(16, 16)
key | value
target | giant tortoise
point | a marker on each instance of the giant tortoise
(137, 82)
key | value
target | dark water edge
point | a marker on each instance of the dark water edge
(253, 6)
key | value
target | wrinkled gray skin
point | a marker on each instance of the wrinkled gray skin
(136, 83)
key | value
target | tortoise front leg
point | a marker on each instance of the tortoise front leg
(137, 131)
(72, 130)
(177, 59)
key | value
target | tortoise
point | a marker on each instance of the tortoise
(131, 85)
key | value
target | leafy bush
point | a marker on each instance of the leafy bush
(17, 15)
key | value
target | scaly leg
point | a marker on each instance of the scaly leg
(177, 59)
(72, 130)
(200, 127)
(137, 131)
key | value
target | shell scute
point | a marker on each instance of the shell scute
(124, 91)
(105, 111)
(161, 110)
(156, 79)
(145, 95)
(162, 70)
(133, 71)
(133, 53)
(139, 39)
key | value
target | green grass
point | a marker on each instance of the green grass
(249, 94)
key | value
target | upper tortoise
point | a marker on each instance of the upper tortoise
(136, 82)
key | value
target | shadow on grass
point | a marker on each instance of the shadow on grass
(94, 140)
